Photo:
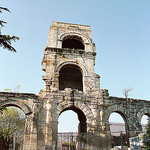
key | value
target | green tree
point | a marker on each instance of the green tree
(147, 137)
(2, 109)
(6, 40)
(11, 124)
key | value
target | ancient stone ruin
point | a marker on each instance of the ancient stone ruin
(71, 84)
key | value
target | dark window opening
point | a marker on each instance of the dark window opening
(70, 76)
(72, 44)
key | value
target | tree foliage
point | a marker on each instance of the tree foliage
(2, 109)
(6, 40)
(11, 124)
(147, 137)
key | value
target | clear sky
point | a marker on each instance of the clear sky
(120, 29)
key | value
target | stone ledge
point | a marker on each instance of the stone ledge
(18, 95)
(129, 99)
(69, 51)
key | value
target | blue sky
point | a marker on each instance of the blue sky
(120, 29)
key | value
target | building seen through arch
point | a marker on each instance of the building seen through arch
(118, 128)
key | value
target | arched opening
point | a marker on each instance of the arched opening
(70, 76)
(72, 129)
(144, 121)
(65, 124)
(12, 125)
(118, 129)
(73, 42)
(81, 118)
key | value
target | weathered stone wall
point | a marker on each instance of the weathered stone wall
(59, 30)
(130, 109)
(26, 102)
(42, 114)
(55, 57)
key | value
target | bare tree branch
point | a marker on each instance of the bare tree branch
(126, 92)
(3, 8)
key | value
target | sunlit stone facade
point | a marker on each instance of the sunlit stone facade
(71, 84)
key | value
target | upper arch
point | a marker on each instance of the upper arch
(80, 113)
(73, 42)
(142, 112)
(115, 108)
(84, 39)
(18, 104)
(82, 107)
(83, 68)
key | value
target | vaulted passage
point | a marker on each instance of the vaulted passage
(72, 129)
(70, 76)
(72, 42)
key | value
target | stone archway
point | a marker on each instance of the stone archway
(82, 109)
(81, 117)
(142, 112)
(79, 138)
(24, 112)
(26, 109)
(26, 102)
(118, 129)
(84, 38)
(82, 67)
(123, 135)
(118, 109)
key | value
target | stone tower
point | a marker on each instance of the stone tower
(71, 84)
(70, 81)
(69, 59)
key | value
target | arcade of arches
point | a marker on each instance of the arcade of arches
(71, 84)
